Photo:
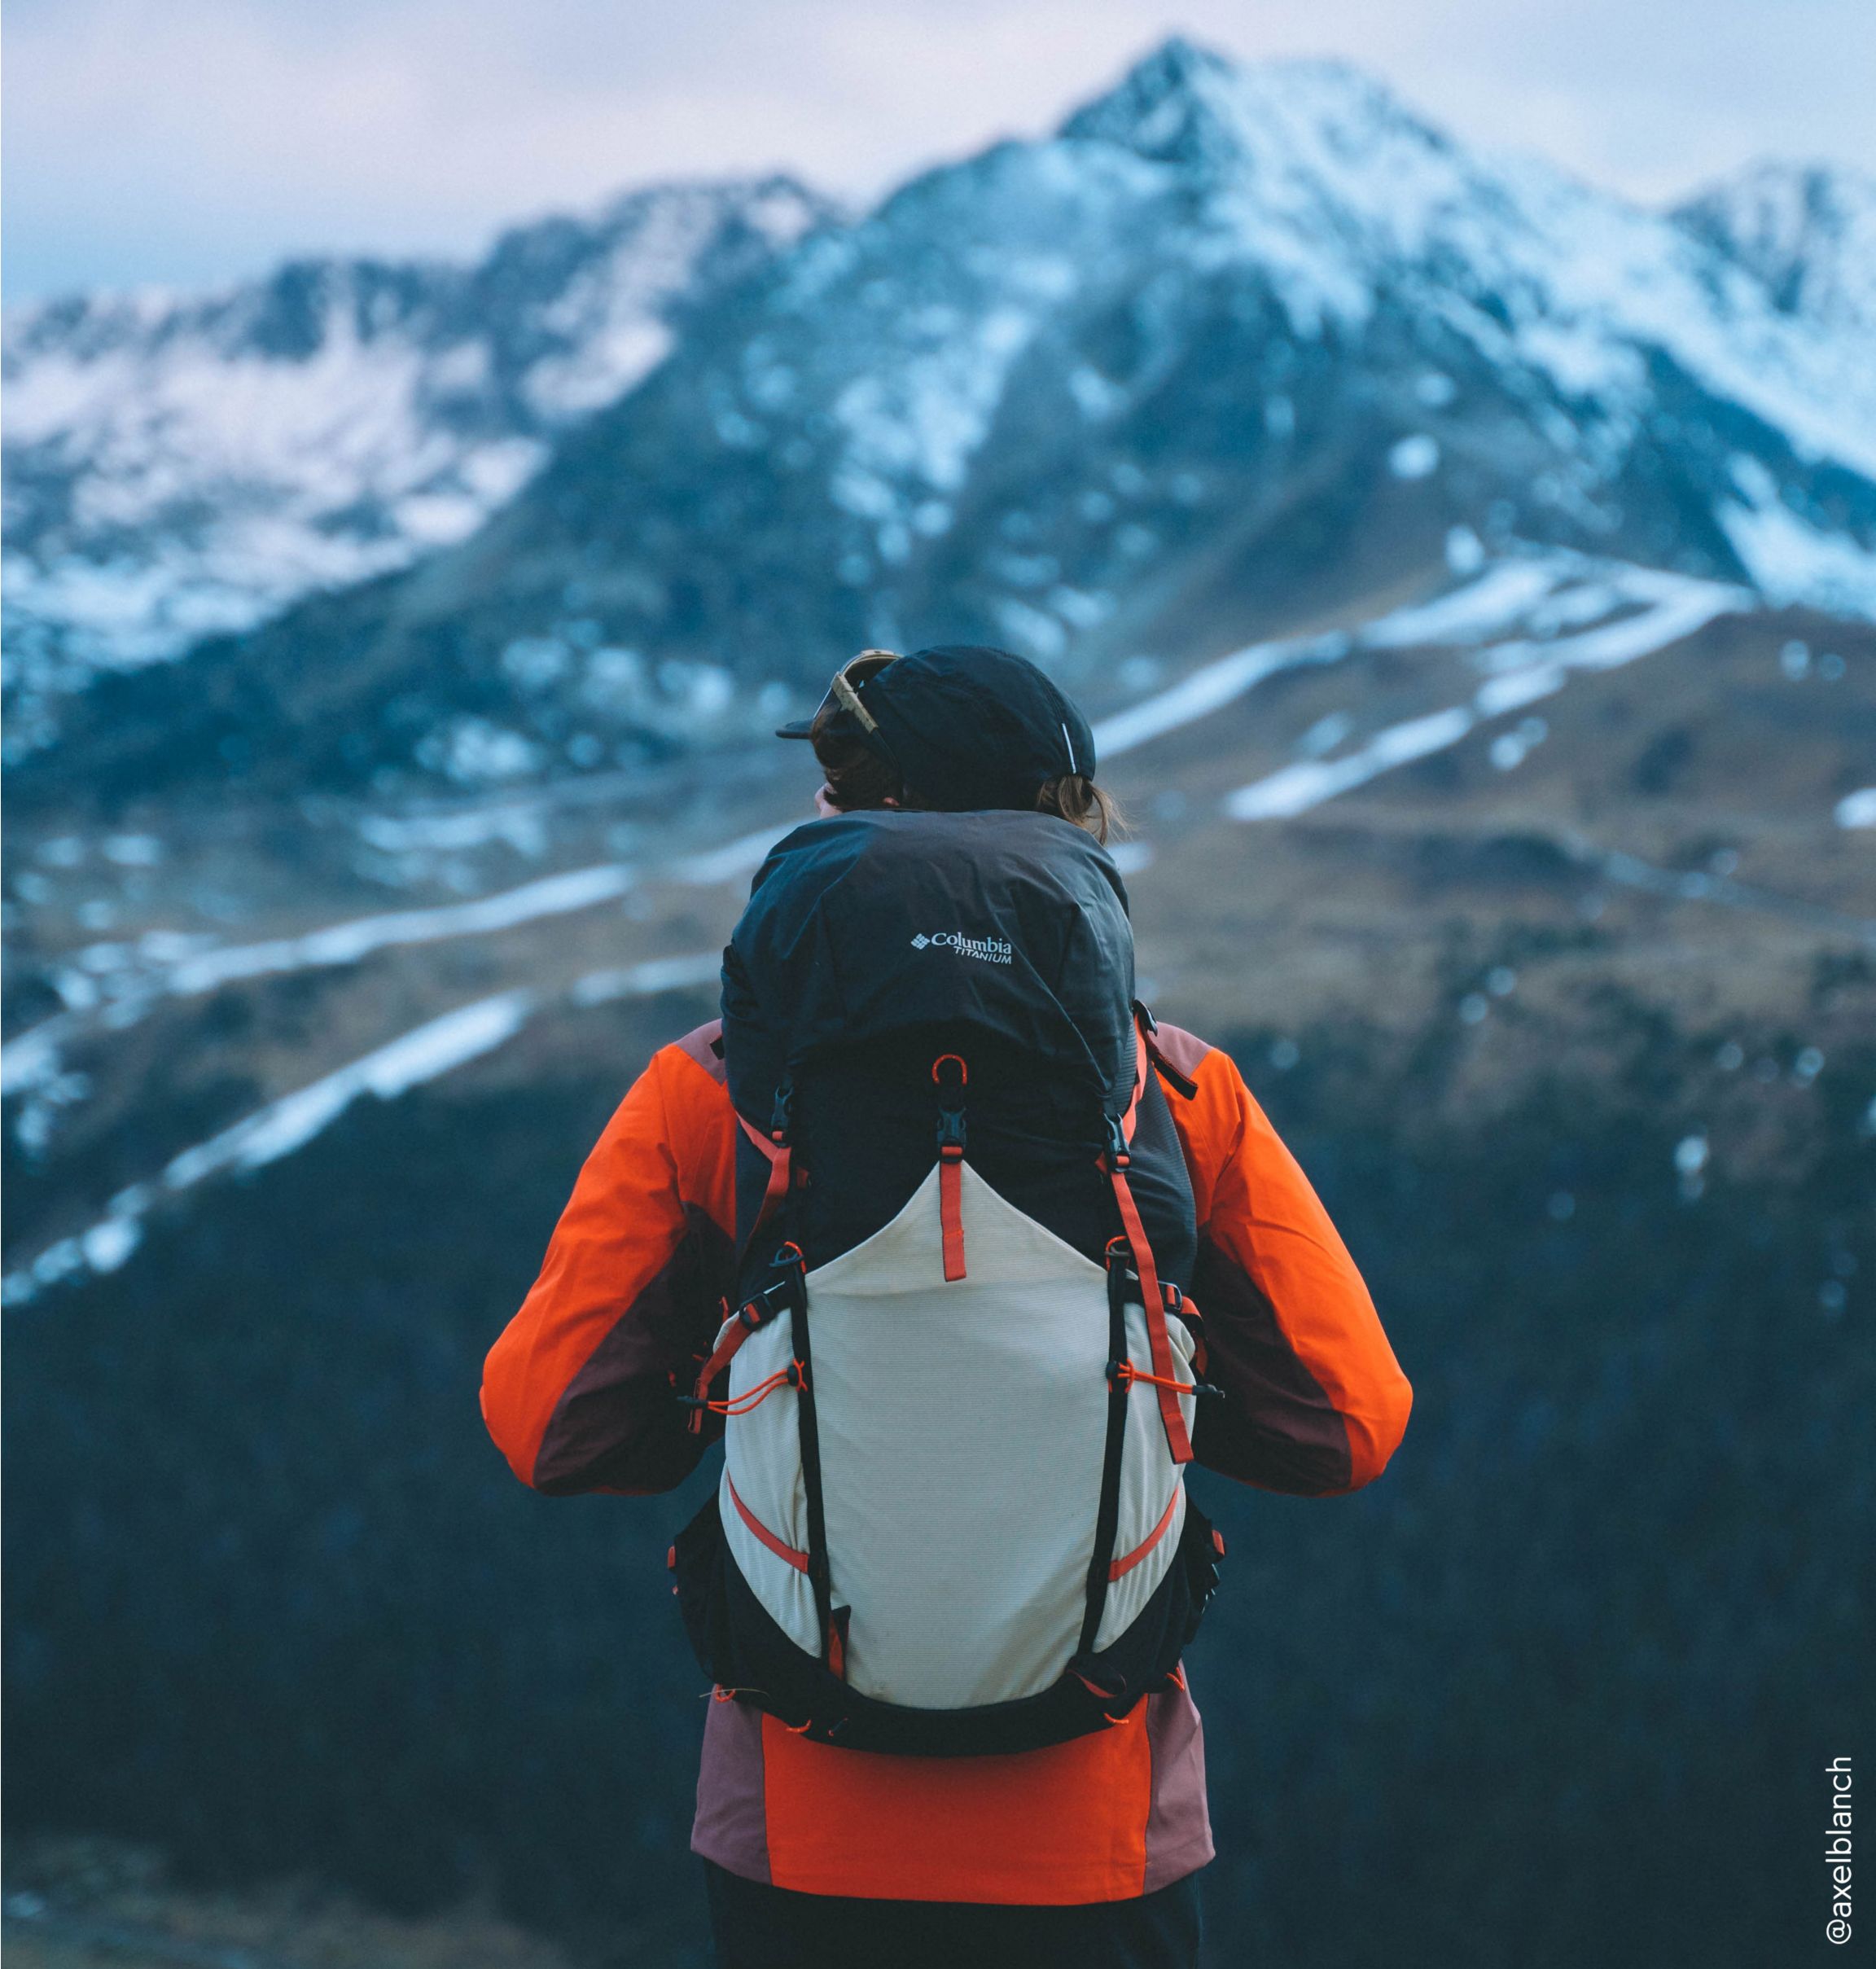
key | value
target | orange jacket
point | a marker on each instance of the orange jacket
(578, 1390)
(578, 1393)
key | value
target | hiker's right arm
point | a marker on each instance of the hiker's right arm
(580, 1391)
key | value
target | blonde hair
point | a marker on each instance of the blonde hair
(1076, 798)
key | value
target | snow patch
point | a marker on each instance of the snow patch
(646, 980)
(1500, 597)
(1414, 458)
(1210, 688)
(1297, 788)
(346, 943)
(408, 1061)
(1790, 561)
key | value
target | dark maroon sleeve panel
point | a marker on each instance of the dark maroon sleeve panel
(580, 1391)
(705, 1046)
(619, 1426)
(1275, 1427)
(1181, 1050)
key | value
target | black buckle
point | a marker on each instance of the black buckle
(950, 1076)
(759, 1307)
(1118, 1156)
(1118, 1258)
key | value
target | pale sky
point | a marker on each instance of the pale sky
(185, 142)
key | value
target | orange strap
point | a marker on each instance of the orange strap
(724, 1354)
(786, 1553)
(951, 1209)
(1121, 1566)
(781, 1160)
(837, 1628)
(1154, 1299)
(951, 1161)
(1130, 1120)
(751, 1315)
(1126, 1374)
(753, 1397)
(1152, 1296)
(740, 1328)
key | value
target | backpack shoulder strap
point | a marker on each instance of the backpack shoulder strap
(1116, 1160)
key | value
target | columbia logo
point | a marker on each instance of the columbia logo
(986, 950)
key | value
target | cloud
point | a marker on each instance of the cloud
(190, 140)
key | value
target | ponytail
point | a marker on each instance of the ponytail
(1075, 798)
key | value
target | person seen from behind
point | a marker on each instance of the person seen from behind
(964, 1258)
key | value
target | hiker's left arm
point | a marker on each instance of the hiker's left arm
(1315, 1403)
(580, 1392)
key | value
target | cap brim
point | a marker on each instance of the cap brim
(802, 728)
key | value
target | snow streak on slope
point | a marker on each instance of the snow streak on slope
(1524, 672)
(115, 985)
(1539, 591)
(1496, 602)
(277, 1130)
(287, 1125)
(1791, 561)
(348, 943)
(1210, 688)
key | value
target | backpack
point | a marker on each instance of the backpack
(958, 1386)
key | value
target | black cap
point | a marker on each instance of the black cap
(968, 727)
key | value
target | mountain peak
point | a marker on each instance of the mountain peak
(1186, 103)
(1806, 230)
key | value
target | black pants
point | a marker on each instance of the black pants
(768, 1928)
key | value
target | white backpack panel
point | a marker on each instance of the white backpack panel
(962, 1426)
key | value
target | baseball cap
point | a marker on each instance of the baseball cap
(965, 725)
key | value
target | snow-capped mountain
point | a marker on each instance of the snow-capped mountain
(1807, 231)
(1234, 350)
(178, 466)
